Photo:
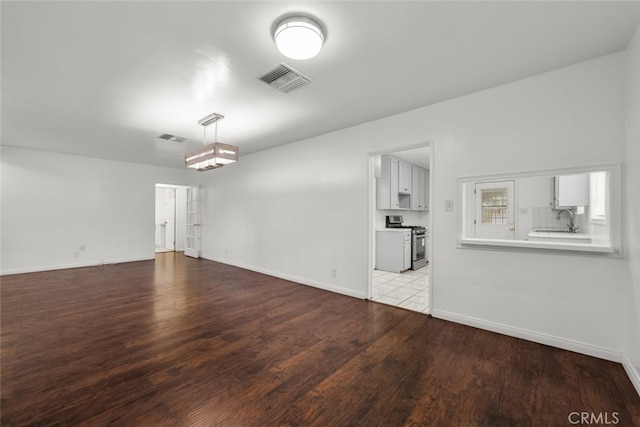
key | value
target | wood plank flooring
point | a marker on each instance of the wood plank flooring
(185, 342)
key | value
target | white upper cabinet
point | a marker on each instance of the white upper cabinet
(420, 188)
(571, 191)
(415, 184)
(401, 185)
(423, 202)
(404, 182)
(387, 195)
(394, 173)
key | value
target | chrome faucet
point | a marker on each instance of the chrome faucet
(572, 228)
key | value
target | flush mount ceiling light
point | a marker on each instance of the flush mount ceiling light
(214, 155)
(298, 36)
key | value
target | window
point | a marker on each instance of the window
(494, 206)
(573, 209)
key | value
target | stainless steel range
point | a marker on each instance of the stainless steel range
(418, 240)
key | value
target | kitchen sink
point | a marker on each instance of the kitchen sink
(560, 235)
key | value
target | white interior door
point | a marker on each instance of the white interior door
(495, 216)
(165, 239)
(192, 240)
(170, 218)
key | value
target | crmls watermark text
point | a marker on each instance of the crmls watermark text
(586, 418)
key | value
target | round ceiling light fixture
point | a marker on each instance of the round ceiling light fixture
(298, 36)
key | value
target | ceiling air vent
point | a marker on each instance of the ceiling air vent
(175, 138)
(285, 78)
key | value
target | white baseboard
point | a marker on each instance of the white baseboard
(551, 340)
(285, 276)
(632, 371)
(79, 264)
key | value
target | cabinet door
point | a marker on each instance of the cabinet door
(387, 196)
(424, 190)
(407, 255)
(394, 201)
(404, 182)
(572, 190)
(420, 188)
(416, 188)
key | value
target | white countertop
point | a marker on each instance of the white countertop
(560, 234)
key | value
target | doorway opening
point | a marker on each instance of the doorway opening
(170, 217)
(400, 255)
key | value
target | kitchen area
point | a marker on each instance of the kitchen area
(401, 243)
(567, 210)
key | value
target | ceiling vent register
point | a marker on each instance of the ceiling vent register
(175, 138)
(285, 78)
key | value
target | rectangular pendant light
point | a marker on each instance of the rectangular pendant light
(212, 156)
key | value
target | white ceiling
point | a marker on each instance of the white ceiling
(104, 79)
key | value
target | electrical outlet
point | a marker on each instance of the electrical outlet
(334, 272)
(83, 247)
(76, 254)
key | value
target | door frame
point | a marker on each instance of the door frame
(192, 225)
(173, 231)
(179, 216)
(371, 220)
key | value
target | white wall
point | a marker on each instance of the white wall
(53, 205)
(296, 211)
(632, 293)
(302, 209)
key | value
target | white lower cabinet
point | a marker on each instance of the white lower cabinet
(393, 250)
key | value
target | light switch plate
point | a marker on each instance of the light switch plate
(448, 205)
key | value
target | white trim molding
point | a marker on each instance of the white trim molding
(551, 340)
(632, 372)
(292, 278)
(81, 264)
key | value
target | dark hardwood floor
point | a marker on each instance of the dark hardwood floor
(185, 342)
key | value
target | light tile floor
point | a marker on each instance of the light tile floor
(409, 290)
